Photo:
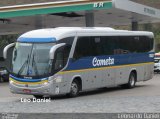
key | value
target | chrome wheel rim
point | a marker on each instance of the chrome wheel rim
(132, 80)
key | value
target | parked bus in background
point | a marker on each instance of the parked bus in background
(67, 60)
(157, 63)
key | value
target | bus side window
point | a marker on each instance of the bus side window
(88, 46)
(124, 44)
(82, 48)
(109, 45)
(68, 40)
(96, 48)
(145, 44)
(61, 57)
(58, 59)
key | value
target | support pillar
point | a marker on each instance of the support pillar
(89, 18)
(38, 22)
(134, 25)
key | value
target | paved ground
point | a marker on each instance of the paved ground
(144, 98)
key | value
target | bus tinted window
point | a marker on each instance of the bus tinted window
(68, 40)
(82, 47)
(126, 44)
(135, 44)
(109, 44)
(96, 46)
(88, 46)
(112, 45)
(145, 44)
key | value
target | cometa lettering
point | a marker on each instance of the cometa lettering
(102, 62)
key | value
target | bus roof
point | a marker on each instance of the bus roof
(54, 34)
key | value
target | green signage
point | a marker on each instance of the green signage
(54, 9)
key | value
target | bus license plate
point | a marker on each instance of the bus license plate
(27, 91)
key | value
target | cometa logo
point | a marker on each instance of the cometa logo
(102, 62)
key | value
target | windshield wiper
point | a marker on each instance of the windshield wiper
(23, 66)
(35, 65)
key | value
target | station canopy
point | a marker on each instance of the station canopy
(16, 19)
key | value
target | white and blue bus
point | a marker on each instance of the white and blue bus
(67, 60)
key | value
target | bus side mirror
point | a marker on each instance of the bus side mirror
(53, 50)
(6, 49)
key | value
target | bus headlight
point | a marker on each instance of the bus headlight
(45, 83)
(11, 82)
(58, 79)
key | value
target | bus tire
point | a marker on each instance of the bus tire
(131, 81)
(75, 88)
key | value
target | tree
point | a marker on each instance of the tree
(7, 39)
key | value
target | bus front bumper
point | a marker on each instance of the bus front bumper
(52, 88)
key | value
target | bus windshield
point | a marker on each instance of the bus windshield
(32, 59)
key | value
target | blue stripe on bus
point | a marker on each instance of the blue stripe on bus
(123, 59)
(36, 40)
(86, 63)
(28, 80)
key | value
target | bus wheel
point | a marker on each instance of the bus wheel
(75, 88)
(38, 96)
(131, 82)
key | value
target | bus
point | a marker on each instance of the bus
(68, 60)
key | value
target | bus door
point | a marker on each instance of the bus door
(83, 57)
